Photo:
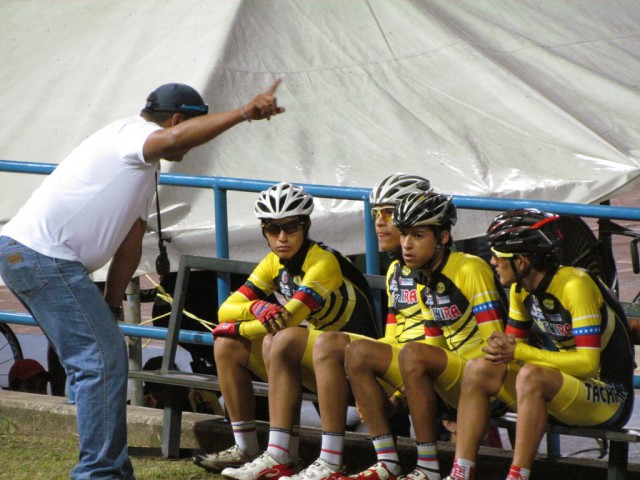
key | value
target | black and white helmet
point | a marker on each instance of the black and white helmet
(425, 209)
(283, 200)
(393, 188)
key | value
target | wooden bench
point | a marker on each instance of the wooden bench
(619, 439)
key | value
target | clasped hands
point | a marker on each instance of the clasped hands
(500, 348)
(272, 316)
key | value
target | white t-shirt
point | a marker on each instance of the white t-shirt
(86, 207)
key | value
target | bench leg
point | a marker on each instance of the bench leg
(553, 446)
(171, 430)
(618, 460)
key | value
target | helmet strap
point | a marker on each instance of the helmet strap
(428, 265)
(519, 275)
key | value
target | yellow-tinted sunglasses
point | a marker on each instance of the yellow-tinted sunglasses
(498, 254)
(385, 212)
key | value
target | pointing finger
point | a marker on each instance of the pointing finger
(274, 87)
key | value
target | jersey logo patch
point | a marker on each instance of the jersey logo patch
(408, 297)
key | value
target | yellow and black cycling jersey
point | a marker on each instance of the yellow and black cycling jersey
(573, 323)
(405, 322)
(462, 304)
(318, 285)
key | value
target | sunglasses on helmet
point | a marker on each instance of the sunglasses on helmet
(498, 254)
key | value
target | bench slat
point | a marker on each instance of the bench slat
(201, 381)
(627, 435)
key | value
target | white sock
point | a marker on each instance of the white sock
(332, 449)
(278, 447)
(246, 436)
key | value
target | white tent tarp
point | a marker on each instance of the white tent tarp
(504, 98)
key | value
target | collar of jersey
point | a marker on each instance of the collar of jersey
(294, 264)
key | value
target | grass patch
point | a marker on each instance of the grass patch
(31, 457)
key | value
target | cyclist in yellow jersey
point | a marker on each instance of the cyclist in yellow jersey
(566, 350)
(329, 348)
(462, 307)
(319, 287)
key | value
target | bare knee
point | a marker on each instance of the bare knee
(288, 345)
(480, 374)
(413, 360)
(538, 381)
(330, 347)
(229, 350)
(363, 356)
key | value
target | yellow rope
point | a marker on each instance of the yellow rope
(163, 295)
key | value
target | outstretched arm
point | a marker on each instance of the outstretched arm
(175, 141)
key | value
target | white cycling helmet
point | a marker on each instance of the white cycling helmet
(283, 200)
(393, 188)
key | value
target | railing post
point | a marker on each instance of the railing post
(372, 260)
(371, 241)
(134, 317)
(222, 240)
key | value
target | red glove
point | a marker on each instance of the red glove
(264, 311)
(227, 329)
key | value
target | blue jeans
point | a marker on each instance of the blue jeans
(72, 313)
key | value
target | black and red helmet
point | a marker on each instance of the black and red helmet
(525, 231)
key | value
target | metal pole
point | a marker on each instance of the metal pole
(222, 240)
(134, 317)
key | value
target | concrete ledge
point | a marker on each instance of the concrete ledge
(44, 415)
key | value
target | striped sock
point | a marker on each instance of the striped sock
(387, 453)
(463, 469)
(332, 449)
(279, 440)
(518, 473)
(428, 460)
(246, 436)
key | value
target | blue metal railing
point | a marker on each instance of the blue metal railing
(220, 186)
(139, 331)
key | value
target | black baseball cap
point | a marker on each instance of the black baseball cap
(176, 97)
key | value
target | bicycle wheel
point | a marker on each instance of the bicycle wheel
(10, 351)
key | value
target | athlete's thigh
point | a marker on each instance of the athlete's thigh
(587, 402)
(448, 384)
(256, 360)
(391, 380)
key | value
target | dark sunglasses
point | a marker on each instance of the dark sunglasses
(288, 228)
